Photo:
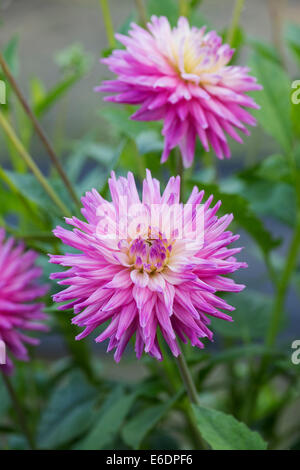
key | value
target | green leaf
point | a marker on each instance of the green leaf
(85, 151)
(275, 199)
(109, 420)
(243, 215)
(55, 93)
(78, 349)
(274, 100)
(4, 399)
(224, 432)
(148, 142)
(135, 431)
(38, 91)
(11, 55)
(234, 354)
(74, 63)
(119, 118)
(275, 168)
(31, 189)
(264, 49)
(73, 59)
(250, 319)
(69, 413)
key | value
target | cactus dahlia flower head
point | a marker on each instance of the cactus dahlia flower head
(181, 76)
(147, 265)
(19, 288)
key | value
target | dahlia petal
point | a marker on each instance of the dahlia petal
(141, 279)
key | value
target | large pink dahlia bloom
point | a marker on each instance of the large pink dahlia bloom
(19, 288)
(181, 75)
(151, 276)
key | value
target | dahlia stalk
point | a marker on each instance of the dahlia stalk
(149, 264)
(181, 76)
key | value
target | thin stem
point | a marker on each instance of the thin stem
(142, 12)
(193, 399)
(283, 284)
(239, 4)
(19, 411)
(184, 7)
(173, 382)
(187, 379)
(54, 158)
(108, 23)
(31, 164)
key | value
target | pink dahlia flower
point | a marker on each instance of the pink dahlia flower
(151, 276)
(18, 291)
(181, 76)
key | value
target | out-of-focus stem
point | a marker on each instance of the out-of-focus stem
(275, 8)
(142, 12)
(108, 23)
(239, 4)
(54, 158)
(283, 284)
(184, 7)
(19, 411)
(31, 164)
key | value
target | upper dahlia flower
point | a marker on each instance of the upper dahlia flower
(18, 291)
(181, 75)
(142, 272)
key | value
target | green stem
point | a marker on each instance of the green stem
(170, 374)
(54, 158)
(31, 164)
(108, 23)
(239, 4)
(187, 379)
(193, 399)
(142, 12)
(19, 411)
(184, 7)
(283, 284)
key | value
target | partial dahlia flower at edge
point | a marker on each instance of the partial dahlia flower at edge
(151, 278)
(19, 290)
(181, 76)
